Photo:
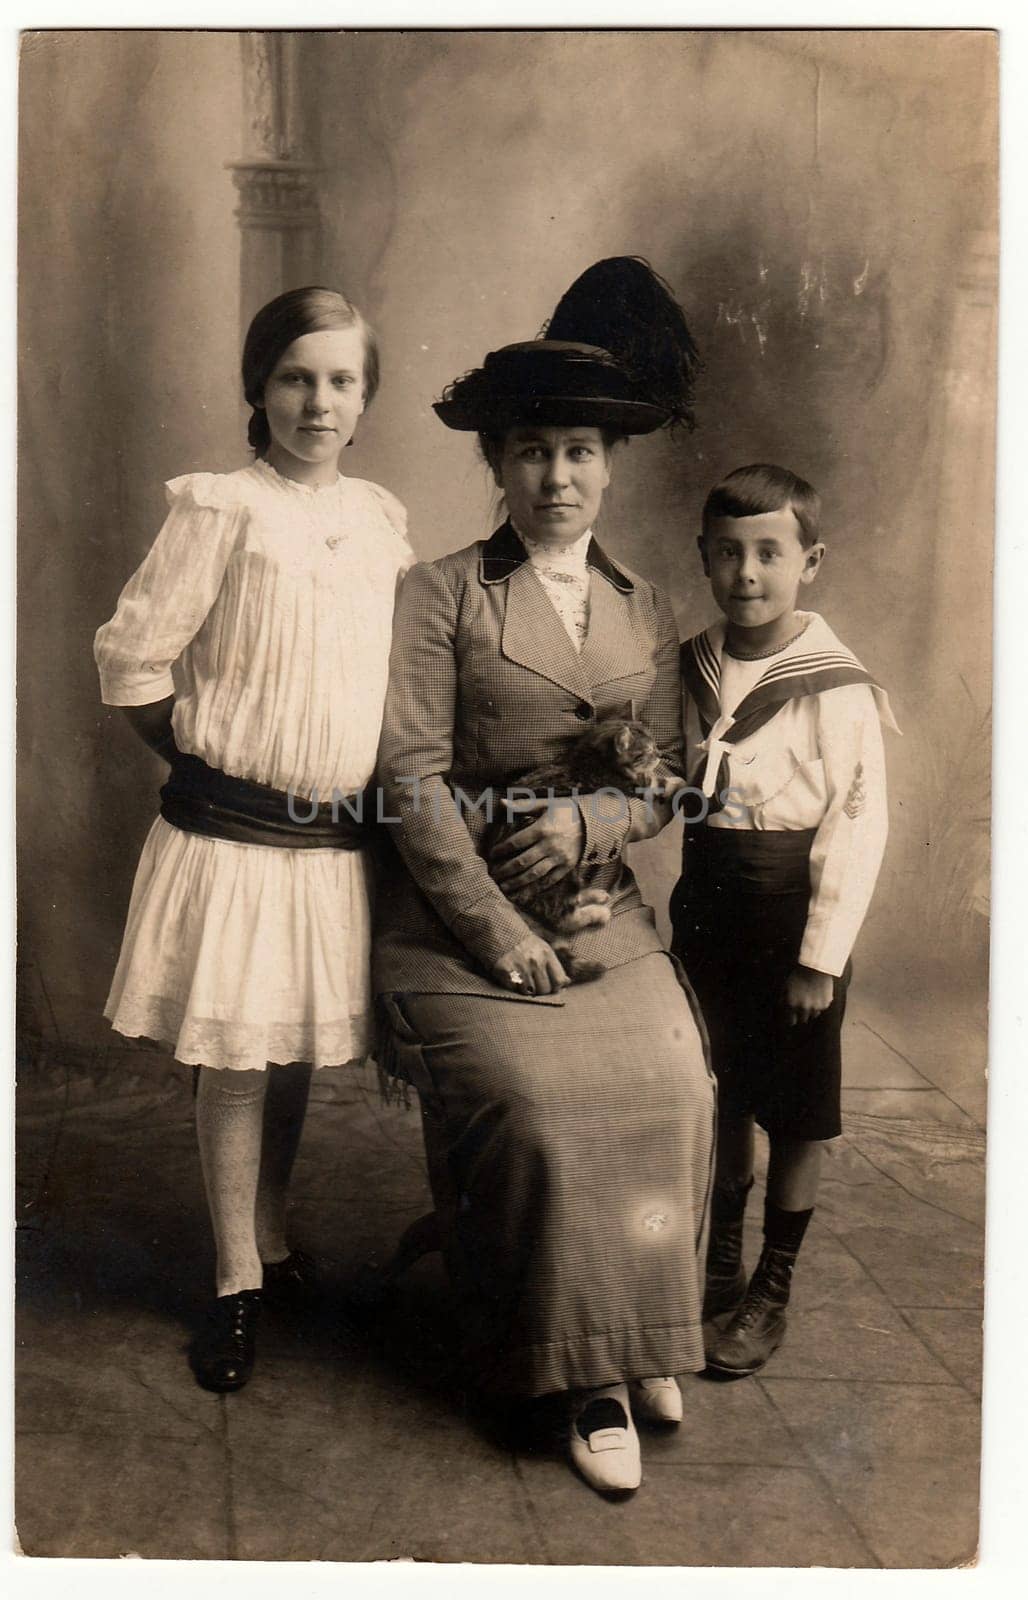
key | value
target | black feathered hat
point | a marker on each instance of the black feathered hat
(617, 354)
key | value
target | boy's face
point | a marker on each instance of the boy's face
(756, 566)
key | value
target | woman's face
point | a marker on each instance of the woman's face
(312, 401)
(553, 480)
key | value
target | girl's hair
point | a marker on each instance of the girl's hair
(753, 491)
(490, 445)
(289, 316)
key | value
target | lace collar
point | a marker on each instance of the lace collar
(568, 560)
(312, 491)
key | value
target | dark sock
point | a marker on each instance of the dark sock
(784, 1230)
(728, 1200)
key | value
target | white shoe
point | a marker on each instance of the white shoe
(608, 1455)
(657, 1399)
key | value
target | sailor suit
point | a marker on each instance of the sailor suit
(779, 872)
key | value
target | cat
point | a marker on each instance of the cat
(610, 754)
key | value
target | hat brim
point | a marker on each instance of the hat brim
(494, 413)
(552, 383)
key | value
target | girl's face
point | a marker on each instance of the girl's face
(312, 401)
(553, 480)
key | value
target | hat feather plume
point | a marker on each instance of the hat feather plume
(624, 307)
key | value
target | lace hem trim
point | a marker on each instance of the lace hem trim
(242, 1046)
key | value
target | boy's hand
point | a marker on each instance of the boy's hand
(808, 993)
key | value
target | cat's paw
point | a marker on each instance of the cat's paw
(591, 897)
(586, 912)
(577, 970)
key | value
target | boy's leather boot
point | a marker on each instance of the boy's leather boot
(725, 1285)
(758, 1327)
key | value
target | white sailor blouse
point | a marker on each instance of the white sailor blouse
(793, 741)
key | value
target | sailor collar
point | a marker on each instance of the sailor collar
(504, 553)
(811, 663)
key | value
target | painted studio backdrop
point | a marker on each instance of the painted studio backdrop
(823, 205)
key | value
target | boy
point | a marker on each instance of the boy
(777, 877)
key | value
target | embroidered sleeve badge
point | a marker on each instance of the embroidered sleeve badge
(857, 797)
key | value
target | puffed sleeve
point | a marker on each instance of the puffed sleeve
(396, 516)
(850, 840)
(415, 758)
(166, 600)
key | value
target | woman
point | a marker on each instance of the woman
(568, 1127)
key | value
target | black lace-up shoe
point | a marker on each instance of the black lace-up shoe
(225, 1359)
(758, 1327)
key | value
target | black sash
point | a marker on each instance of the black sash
(200, 799)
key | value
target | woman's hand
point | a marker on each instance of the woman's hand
(544, 852)
(808, 993)
(531, 967)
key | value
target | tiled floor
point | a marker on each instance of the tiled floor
(856, 1447)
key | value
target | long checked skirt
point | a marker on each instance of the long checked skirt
(570, 1150)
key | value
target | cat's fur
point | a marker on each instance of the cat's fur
(612, 754)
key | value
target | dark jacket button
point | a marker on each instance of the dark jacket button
(583, 711)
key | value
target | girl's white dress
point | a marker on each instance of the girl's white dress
(266, 608)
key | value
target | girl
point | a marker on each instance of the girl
(250, 650)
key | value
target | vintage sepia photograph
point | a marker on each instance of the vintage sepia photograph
(504, 669)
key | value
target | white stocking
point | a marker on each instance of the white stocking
(229, 1127)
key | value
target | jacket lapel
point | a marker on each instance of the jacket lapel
(611, 650)
(501, 555)
(533, 634)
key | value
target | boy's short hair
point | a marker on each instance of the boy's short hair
(752, 491)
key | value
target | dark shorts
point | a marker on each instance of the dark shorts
(739, 914)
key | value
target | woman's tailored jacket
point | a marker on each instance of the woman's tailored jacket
(484, 686)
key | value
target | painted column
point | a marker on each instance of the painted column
(278, 204)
